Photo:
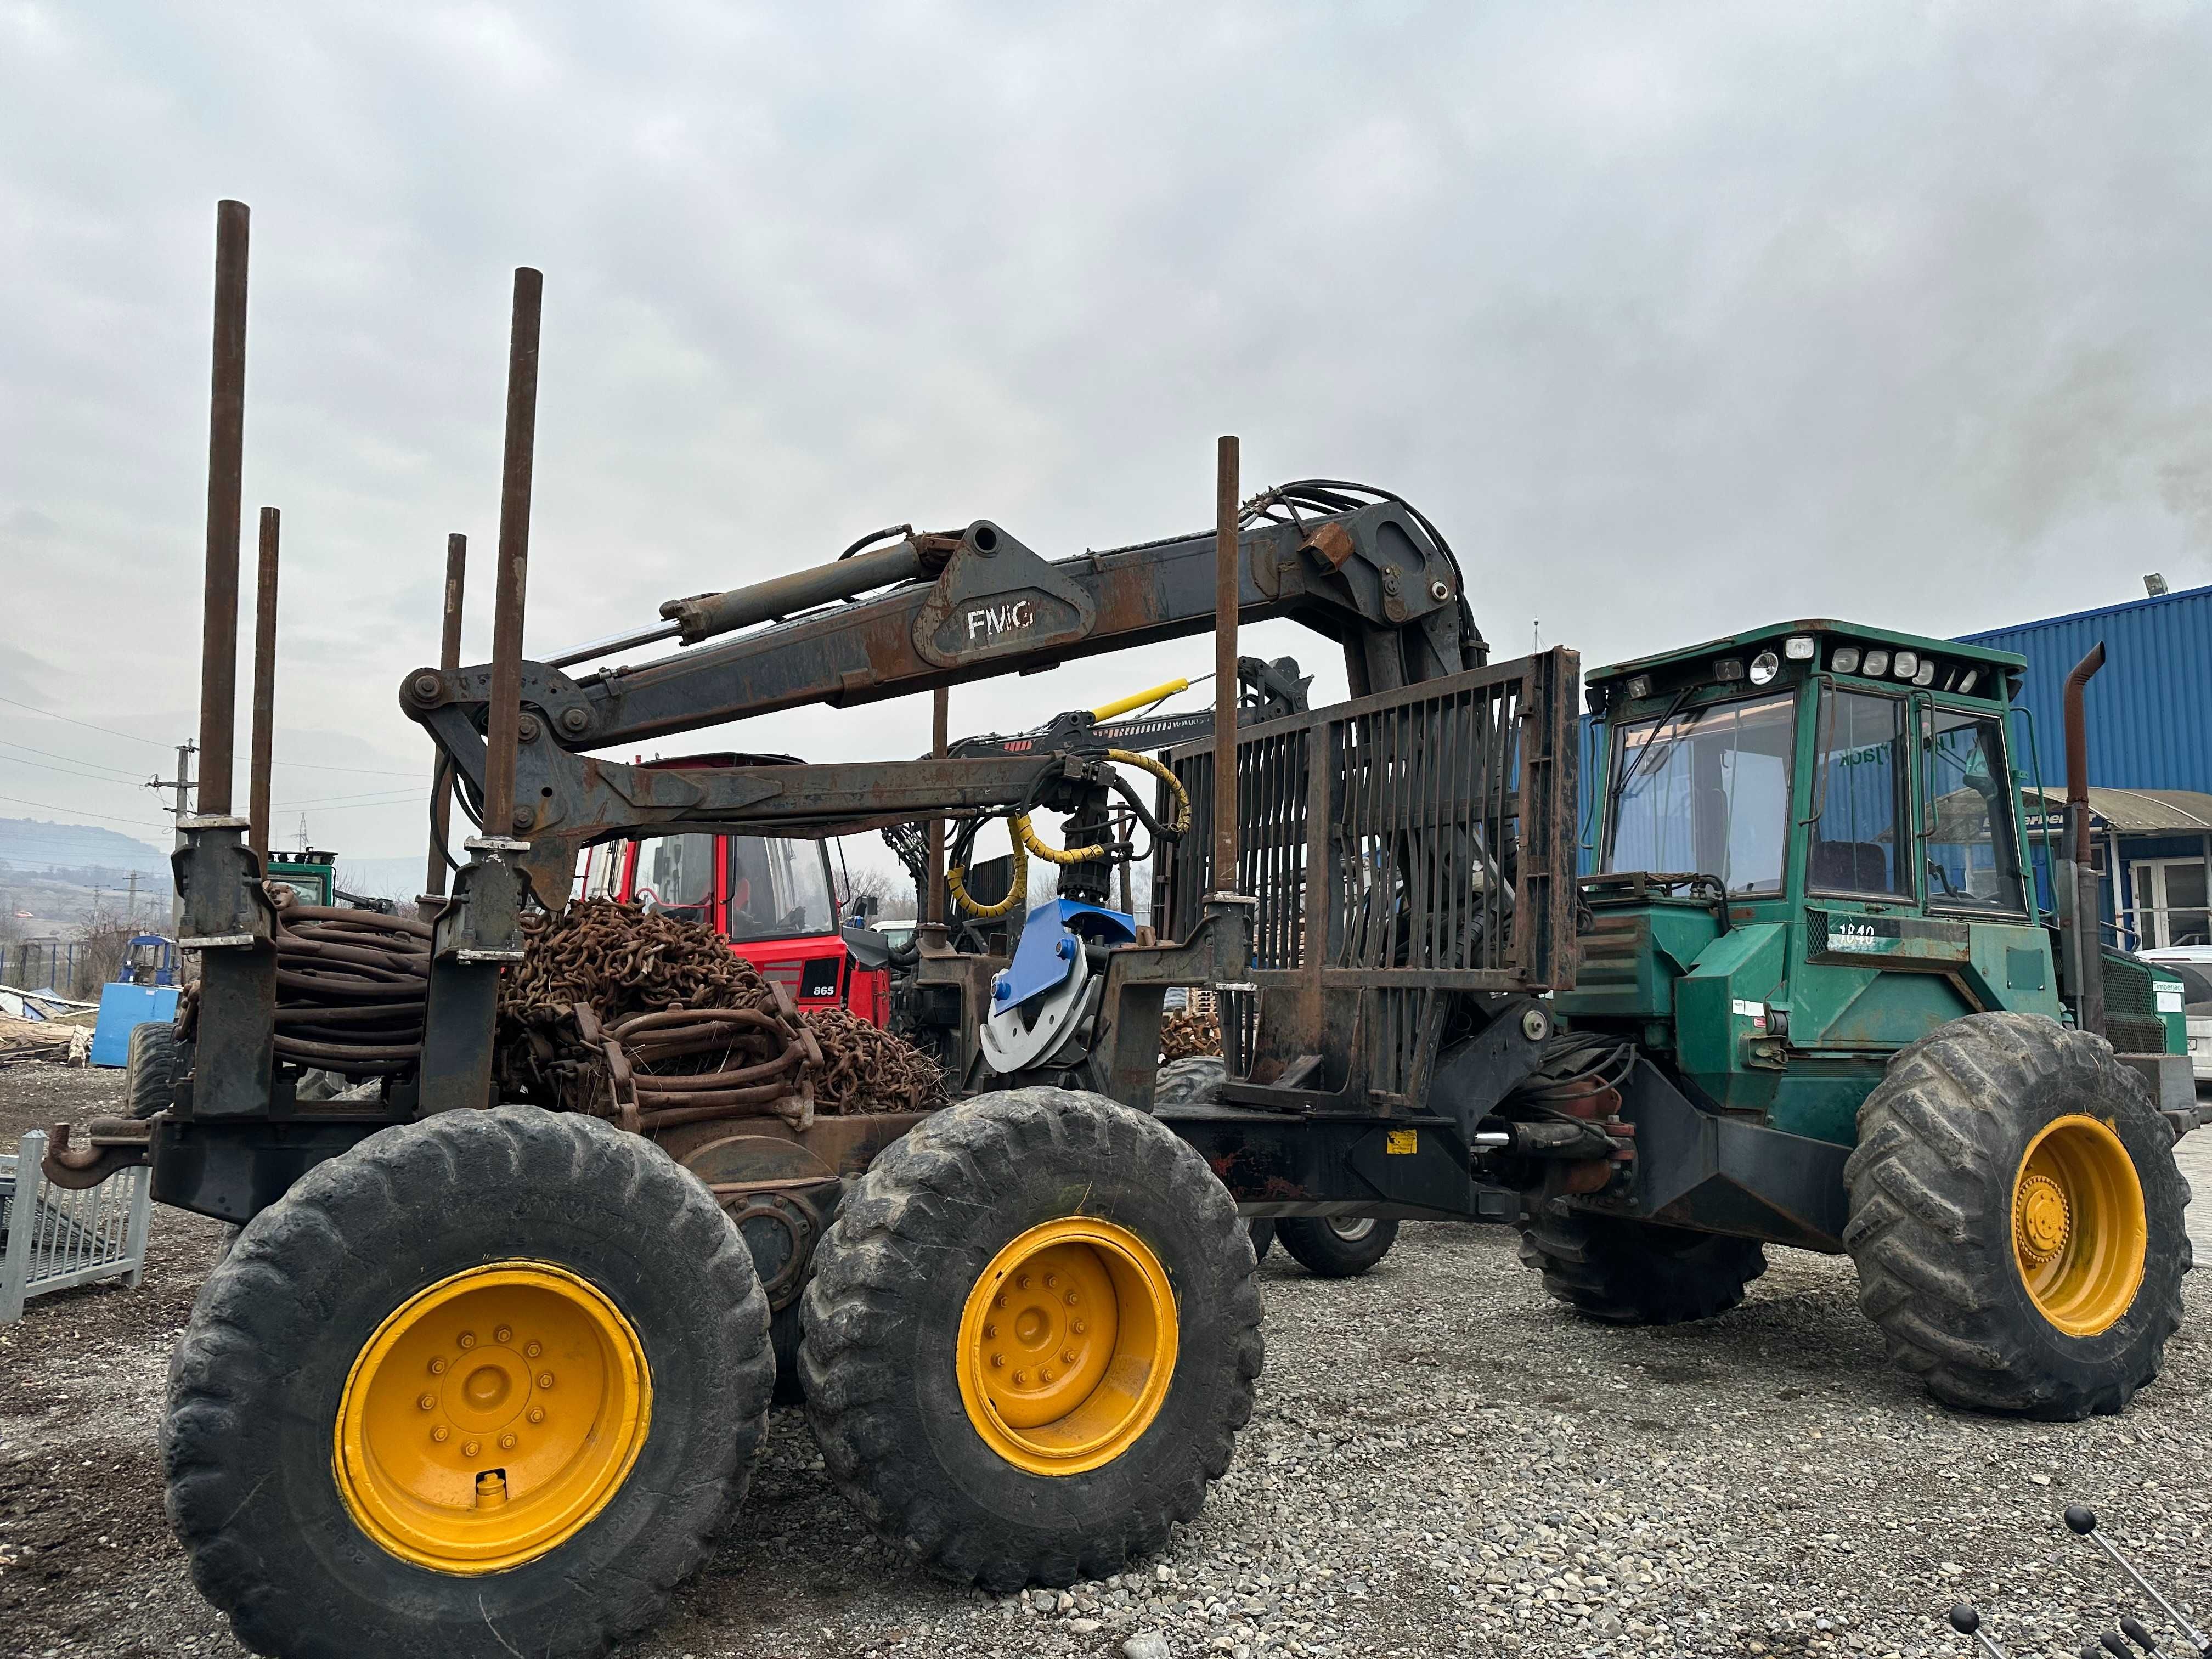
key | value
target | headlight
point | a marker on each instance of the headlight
(1798, 647)
(1639, 686)
(1845, 660)
(1877, 663)
(1730, 669)
(1966, 680)
(1926, 674)
(1908, 664)
(1763, 667)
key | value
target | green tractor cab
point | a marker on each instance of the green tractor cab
(1822, 939)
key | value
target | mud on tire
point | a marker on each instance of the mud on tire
(882, 1330)
(1941, 1142)
(257, 1382)
(1638, 1273)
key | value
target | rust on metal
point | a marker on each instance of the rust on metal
(1334, 542)
(265, 688)
(449, 659)
(509, 582)
(226, 467)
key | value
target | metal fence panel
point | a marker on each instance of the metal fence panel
(55, 1239)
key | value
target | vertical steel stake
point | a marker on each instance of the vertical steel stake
(1225, 583)
(225, 466)
(940, 739)
(509, 578)
(264, 689)
(449, 659)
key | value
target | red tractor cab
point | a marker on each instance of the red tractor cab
(775, 898)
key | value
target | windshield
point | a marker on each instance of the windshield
(779, 888)
(1705, 793)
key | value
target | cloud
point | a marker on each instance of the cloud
(1677, 321)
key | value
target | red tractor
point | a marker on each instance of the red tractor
(775, 898)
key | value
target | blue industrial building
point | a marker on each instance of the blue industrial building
(2148, 718)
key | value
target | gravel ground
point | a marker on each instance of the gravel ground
(1440, 1463)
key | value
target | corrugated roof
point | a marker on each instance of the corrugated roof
(2144, 812)
(2149, 713)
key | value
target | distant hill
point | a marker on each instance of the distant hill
(33, 844)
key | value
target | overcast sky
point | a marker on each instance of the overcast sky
(1675, 319)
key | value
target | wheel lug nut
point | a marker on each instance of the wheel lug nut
(1021, 1282)
(1068, 1357)
(506, 1442)
(1071, 1298)
(990, 1331)
(467, 1338)
(502, 1334)
(1045, 1375)
(545, 1379)
(531, 1350)
(1000, 1300)
(538, 1413)
(1051, 1280)
(998, 1361)
(1076, 1326)
(1021, 1379)
(437, 1367)
(429, 1403)
(470, 1448)
(441, 1434)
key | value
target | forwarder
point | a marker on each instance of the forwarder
(485, 1379)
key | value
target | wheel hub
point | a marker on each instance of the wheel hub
(1067, 1345)
(2081, 1231)
(2041, 1219)
(491, 1417)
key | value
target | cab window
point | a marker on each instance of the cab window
(1858, 784)
(1705, 793)
(1973, 863)
(676, 873)
(779, 888)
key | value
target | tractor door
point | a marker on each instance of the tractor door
(1915, 909)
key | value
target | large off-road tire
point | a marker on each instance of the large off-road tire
(1336, 1247)
(1638, 1273)
(2016, 1217)
(783, 1338)
(150, 1068)
(1193, 1082)
(1096, 1256)
(510, 1290)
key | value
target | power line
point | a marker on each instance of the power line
(129, 777)
(88, 725)
(49, 806)
(335, 799)
(311, 766)
(71, 772)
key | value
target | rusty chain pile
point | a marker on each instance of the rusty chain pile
(1188, 1033)
(350, 987)
(652, 1022)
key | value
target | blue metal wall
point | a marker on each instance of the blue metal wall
(2149, 712)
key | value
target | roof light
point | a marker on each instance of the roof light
(1845, 660)
(1763, 667)
(1908, 664)
(1877, 663)
(1967, 683)
(1729, 669)
(1798, 647)
(1926, 674)
(1640, 685)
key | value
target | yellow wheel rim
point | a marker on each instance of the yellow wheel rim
(1067, 1344)
(2079, 1232)
(491, 1417)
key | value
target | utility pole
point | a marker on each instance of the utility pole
(131, 904)
(183, 784)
